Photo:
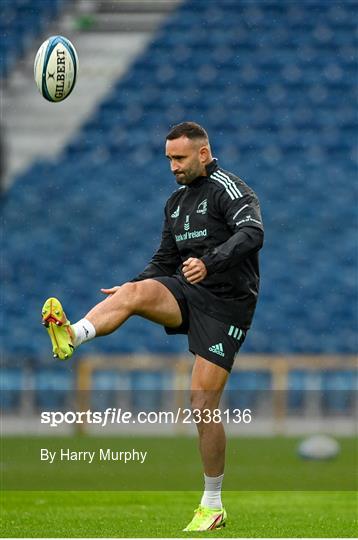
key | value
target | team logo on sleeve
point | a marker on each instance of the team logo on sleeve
(202, 208)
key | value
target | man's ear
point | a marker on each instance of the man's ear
(204, 153)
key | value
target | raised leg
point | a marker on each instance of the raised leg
(149, 299)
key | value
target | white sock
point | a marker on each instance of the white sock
(212, 494)
(84, 331)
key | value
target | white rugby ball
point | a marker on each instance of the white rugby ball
(318, 447)
(56, 68)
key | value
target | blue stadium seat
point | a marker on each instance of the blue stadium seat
(339, 391)
(274, 84)
(11, 385)
(20, 22)
(52, 386)
(244, 389)
(148, 390)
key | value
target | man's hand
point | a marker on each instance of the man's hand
(110, 291)
(194, 270)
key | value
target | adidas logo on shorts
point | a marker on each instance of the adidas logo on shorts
(217, 349)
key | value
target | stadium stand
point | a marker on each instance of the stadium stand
(20, 22)
(274, 83)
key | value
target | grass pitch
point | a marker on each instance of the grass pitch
(165, 514)
(253, 465)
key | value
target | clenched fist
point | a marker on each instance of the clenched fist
(194, 270)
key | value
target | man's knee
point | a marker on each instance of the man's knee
(128, 296)
(208, 382)
(204, 406)
(200, 400)
(136, 296)
(204, 402)
(204, 399)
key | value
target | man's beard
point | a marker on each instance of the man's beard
(185, 179)
(180, 180)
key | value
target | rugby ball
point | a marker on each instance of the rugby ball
(56, 68)
(318, 447)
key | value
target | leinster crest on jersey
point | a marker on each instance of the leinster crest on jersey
(202, 207)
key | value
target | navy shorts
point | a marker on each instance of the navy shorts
(216, 341)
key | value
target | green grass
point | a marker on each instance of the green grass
(280, 494)
(252, 464)
(164, 514)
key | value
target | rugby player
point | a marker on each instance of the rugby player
(202, 281)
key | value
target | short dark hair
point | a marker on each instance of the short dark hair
(192, 130)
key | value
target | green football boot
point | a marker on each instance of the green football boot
(58, 328)
(207, 519)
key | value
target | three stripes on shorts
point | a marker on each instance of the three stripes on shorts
(235, 332)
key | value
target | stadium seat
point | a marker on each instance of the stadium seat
(274, 83)
(20, 22)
